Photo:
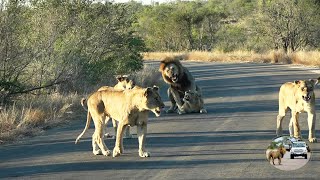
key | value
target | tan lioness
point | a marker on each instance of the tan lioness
(123, 82)
(193, 103)
(129, 108)
(299, 97)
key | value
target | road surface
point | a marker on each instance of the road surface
(228, 142)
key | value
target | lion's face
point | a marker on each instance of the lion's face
(191, 97)
(282, 151)
(305, 89)
(172, 72)
(153, 100)
(125, 83)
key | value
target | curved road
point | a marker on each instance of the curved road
(228, 142)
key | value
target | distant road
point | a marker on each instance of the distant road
(228, 142)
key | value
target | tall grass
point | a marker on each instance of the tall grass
(274, 56)
(32, 114)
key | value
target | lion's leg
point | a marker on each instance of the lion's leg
(279, 122)
(107, 135)
(118, 148)
(177, 99)
(295, 123)
(115, 127)
(272, 160)
(142, 132)
(279, 158)
(95, 148)
(173, 106)
(99, 123)
(311, 124)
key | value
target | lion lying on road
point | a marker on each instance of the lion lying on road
(180, 81)
(193, 103)
(275, 154)
(299, 97)
(129, 108)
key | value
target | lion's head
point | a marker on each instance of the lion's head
(305, 89)
(124, 82)
(282, 151)
(171, 70)
(153, 100)
(191, 97)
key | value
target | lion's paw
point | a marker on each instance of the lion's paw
(312, 140)
(203, 111)
(116, 152)
(107, 152)
(97, 152)
(181, 111)
(144, 154)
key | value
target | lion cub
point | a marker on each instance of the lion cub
(193, 103)
(299, 97)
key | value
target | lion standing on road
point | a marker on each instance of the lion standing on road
(299, 97)
(180, 81)
(129, 108)
(123, 82)
(275, 154)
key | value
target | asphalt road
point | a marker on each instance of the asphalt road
(228, 142)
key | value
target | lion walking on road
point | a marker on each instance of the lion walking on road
(273, 154)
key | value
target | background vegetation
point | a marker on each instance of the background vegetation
(61, 46)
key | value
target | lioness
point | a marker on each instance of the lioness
(299, 97)
(275, 154)
(192, 103)
(129, 107)
(180, 81)
(123, 82)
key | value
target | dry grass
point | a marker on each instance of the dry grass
(32, 114)
(275, 56)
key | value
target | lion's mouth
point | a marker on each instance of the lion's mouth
(174, 78)
(157, 112)
(186, 98)
(306, 98)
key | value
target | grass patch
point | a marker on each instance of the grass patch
(31, 114)
(311, 58)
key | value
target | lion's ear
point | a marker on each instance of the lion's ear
(148, 91)
(162, 66)
(316, 81)
(156, 88)
(119, 78)
(297, 82)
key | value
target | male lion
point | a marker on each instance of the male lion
(180, 81)
(275, 154)
(193, 103)
(124, 82)
(129, 108)
(299, 97)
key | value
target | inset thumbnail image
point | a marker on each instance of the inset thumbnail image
(288, 153)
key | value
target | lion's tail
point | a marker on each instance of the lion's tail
(83, 101)
(85, 128)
